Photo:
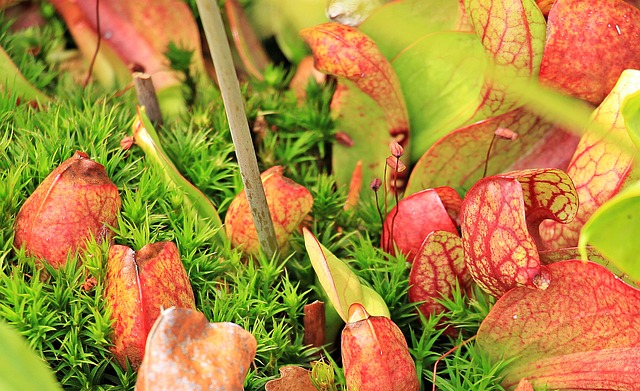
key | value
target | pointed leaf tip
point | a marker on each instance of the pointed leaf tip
(345, 51)
(340, 283)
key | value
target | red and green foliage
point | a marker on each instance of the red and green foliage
(74, 203)
(521, 122)
(137, 289)
(289, 203)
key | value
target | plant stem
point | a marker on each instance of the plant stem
(147, 96)
(240, 134)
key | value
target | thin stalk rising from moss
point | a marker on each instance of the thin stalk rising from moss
(240, 134)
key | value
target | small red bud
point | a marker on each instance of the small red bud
(396, 149)
(375, 184)
(126, 143)
(344, 139)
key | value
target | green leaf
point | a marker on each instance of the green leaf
(613, 230)
(13, 81)
(20, 368)
(441, 76)
(146, 138)
(340, 283)
(630, 110)
(360, 118)
(399, 24)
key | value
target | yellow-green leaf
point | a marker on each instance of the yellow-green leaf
(614, 229)
(340, 283)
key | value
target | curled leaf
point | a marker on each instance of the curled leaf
(289, 203)
(582, 332)
(499, 220)
(75, 202)
(375, 354)
(139, 284)
(186, 352)
(361, 62)
(339, 282)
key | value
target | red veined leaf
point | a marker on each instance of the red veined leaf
(75, 202)
(499, 220)
(289, 203)
(435, 269)
(513, 34)
(458, 160)
(582, 332)
(586, 51)
(346, 52)
(139, 284)
(600, 164)
(375, 354)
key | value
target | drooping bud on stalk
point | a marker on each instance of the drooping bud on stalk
(375, 354)
(75, 202)
(375, 184)
(396, 149)
(396, 164)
